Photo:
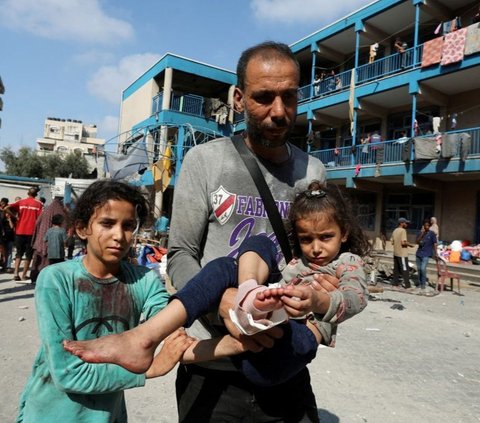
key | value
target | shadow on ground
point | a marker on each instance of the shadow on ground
(327, 417)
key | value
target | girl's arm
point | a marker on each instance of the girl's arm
(55, 304)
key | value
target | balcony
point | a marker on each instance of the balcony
(387, 152)
(381, 68)
(186, 103)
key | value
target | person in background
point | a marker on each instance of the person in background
(44, 222)
(316, 84)
(434, 227)
(427, 247)
(401, 47)
(400, 254)
(161, 228)
(7, 236)
(56, 238)
(26, 212)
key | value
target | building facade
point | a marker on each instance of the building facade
(388, 101)
(414, 100)
(66, 136)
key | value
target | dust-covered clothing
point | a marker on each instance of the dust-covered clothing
(349, 299)
(73, 304)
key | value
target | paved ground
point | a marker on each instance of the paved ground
(417, 364)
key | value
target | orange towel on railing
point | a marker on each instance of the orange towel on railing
(454, 47)
(432, 52)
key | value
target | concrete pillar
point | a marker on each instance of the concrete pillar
(167, 88)
(166, 100)
(231, 105)
(338, 137)
(384, 128)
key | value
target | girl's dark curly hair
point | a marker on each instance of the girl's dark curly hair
(329, 201)
(103, 190)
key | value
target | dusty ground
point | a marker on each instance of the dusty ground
(417, 364)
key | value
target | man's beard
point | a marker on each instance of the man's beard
(254, 131)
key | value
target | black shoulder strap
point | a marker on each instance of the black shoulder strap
(265, 193)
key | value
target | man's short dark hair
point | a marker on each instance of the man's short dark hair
(267, 50)
(33, 191)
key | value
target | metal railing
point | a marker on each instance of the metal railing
(385, 152)
(186, 103)
(329, 85)
(395, 63)
(389, 65)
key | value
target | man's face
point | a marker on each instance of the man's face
(269, 100)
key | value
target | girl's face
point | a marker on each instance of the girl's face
(108, 235)
(320, 238)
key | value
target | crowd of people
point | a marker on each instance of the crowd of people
(35, 232)
(245, 355)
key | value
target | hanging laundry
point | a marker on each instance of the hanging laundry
(451, 26)
(465, 141)
(453, 47)
(122, 165)
(449, 145)
(472, 41)
(407, 151)
(351, 101)
(357, 169)
(432, 52)
(163, 170)
(436, 124)
(425, 148)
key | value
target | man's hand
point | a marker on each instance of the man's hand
(254, 343)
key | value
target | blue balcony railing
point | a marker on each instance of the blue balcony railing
(383, 152)
(185, 103)
(330, 85)
(395, 63)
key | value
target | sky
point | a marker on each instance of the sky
(72, 59)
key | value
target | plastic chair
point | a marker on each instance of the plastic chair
(443, 273)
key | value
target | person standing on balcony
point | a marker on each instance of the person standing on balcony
(227, 210)
(427, 247)
(373, 52)
(331, 81)
(401, 47)
(316, 85)
(27, 212)
(400, 254)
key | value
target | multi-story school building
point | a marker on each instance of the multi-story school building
(388, 101)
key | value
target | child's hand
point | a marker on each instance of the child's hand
(302, 299)
(325, 283)
(172, 351)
